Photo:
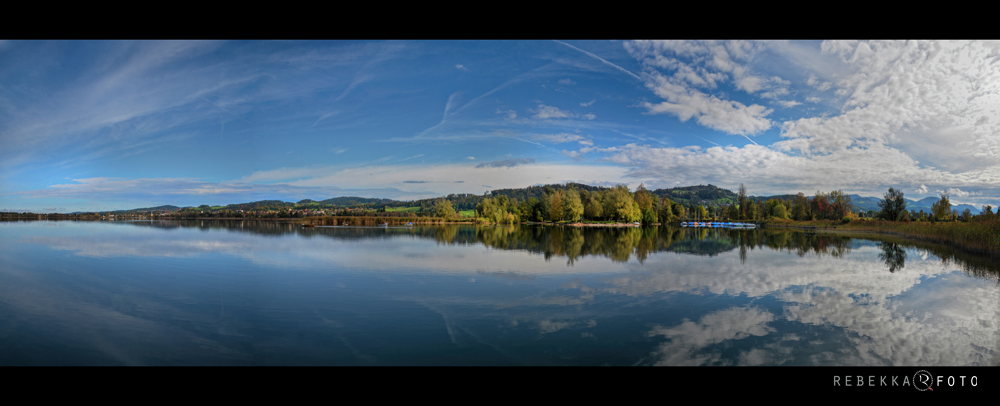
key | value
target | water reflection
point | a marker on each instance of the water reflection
(620, 245)
(268, 293)
(893, 255)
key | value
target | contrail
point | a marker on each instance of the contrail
(748, 139)
(715, 143)
(227, 111)
(601, 59)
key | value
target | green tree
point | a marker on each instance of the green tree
(741, 201)
(679, 212)
(592, 207)
(733, 213)
(986, 214)
(903, 216)
(620, 205)
(443, 208)
(572, 206)
(779, 212)
(800, 208)
(643, 198)
(892, 204)
(942, 209)
(556, 206)
(665, 211)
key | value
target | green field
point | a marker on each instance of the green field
(406, 209)
(467, 213)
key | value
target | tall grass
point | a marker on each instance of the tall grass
(981, 237)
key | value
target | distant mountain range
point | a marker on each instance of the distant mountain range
(913, 206)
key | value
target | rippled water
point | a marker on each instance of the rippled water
(266, 293)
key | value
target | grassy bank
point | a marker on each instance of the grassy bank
(979, 237)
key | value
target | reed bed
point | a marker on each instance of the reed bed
(979, 237)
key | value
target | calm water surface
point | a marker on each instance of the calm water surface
(266, 293)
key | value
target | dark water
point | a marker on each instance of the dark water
(243, 293)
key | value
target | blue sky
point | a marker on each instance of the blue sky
(100, 125)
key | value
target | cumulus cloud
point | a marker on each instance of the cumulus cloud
(708, 110)
(587, 104)
(711, 62)
(912, 95)
(961, 193)
(461, 67)
(922, 189)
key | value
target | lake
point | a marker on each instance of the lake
(271, 293)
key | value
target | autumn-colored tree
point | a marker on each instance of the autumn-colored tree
(572, 206)
(942, 209)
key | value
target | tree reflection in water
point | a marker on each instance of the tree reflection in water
(893, 255)
(618, 244)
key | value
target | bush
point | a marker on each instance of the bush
(845, 220)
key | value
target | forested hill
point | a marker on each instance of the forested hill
(146, 209)
(355, 201)
(709, 194)
(538, 191)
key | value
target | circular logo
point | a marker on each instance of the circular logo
(922, 380)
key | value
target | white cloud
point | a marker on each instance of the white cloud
(869, 170)
(728, 116)
(461, 67)
(788, 103)
(566, 81)
(587, 104)
(686, 102)
(813, 99)
(819, 85)
(471, 158)
(922, 189)
(912, 95)
(589, 116)
(558, 138)
(546, 112)
(688, 339)
(956, 192)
